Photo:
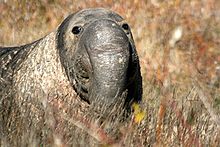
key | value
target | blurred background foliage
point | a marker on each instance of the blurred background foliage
(153, 23)
(178, 44)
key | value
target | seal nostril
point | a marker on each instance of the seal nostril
(76, 30)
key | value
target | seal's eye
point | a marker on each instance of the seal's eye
(76, 30)
(125, 26)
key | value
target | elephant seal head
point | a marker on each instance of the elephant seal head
(98, 54)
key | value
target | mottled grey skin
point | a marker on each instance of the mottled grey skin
(101, 61)
(41, 81)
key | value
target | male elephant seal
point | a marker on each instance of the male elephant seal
(90, 61)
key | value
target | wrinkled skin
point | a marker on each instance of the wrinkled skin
(101, 60)
(89, 63)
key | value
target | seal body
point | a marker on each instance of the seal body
(86, 70)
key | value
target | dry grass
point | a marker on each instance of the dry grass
(179, 48)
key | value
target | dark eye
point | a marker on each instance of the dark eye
(76, 30)
(125, 26)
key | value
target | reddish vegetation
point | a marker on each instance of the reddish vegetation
(181, 74)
